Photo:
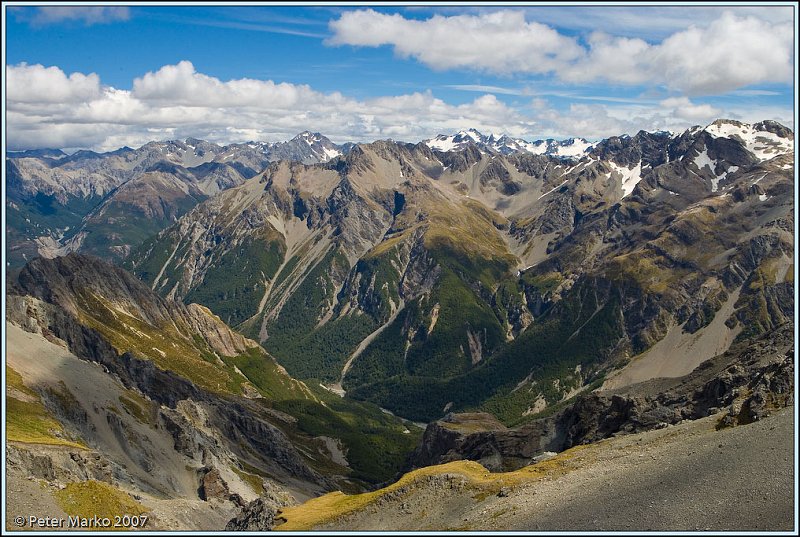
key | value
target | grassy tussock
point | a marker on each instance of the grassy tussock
(90, 498)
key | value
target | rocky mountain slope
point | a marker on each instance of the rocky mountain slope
(712, 450)
(104, 203)
(117, 391)
(429, 281)
(687, 477)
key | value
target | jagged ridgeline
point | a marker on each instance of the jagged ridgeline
(427, 280)
(106, 203)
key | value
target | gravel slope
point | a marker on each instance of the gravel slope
(685, 477)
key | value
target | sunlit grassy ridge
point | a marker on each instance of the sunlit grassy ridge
(163, 345)
(190, 358)
(480, 482)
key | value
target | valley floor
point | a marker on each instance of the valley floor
(682, 478)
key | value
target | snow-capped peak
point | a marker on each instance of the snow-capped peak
(504, 144)
(473, 134)
(762, 139)
(308, 137)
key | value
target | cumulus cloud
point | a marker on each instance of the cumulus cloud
(729, 53)
(47, 107)
(182, 84)
(88, 15)
(481, 42)
(39, 84)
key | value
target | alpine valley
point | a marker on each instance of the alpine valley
(419, 336)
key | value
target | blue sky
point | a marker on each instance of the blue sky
(102, 77)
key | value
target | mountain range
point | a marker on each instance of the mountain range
(283, 320)
(421, 280)
(104, 203)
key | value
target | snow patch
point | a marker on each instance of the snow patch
(702, 160)
(577, 147)
(441, 143)
(330, 153)
(630, 176)
(553, 189)
(715, 182)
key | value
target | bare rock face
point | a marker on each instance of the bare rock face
(216, 333)
(480, 437)
(212, 486)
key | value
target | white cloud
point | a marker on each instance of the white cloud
(39, 84)
(88, 15)
(729, 53)
(499, 42)
(597, 121)
(181, 84)
(683, 108)
(48, 108)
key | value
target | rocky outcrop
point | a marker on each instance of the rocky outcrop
(61, 465)
(216, 333)
(261, 513)
(480, 437)
(212, 486)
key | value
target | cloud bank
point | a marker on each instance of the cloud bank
(729, 53)
(47, 107)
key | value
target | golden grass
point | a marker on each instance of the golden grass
(385, 246)
(255, 482)
(646, 271)
(95, 498)
(164, 346)
(327, 508)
